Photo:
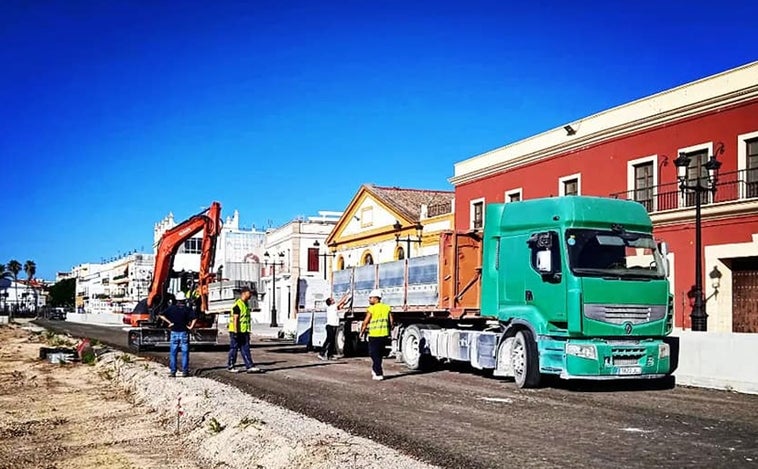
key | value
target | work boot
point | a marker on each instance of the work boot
(171, 374)
(254, 369)
(183, 374)
(232, 369)
(321, 357)
(378, 378)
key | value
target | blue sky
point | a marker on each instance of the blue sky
(114, 113)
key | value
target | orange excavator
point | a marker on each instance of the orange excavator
(148, 330)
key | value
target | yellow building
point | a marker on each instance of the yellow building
(383, 224)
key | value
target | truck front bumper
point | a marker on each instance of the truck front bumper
(605, 359)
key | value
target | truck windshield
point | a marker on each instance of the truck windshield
(614, 254)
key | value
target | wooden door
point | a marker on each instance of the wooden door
(745, 301)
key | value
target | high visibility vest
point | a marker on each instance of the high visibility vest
(244, 317)
(379, 326)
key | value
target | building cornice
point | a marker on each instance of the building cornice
(710, 212)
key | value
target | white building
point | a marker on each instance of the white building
(234, 244)
(294, 272)
(114, 286)
(21, 295)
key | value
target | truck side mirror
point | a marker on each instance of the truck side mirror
(663, 248)
(544, 262)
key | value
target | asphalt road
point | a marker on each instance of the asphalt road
(457, 417)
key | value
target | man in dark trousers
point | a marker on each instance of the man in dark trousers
(378, 323)
(180, 320)
(239, 333)
(328, 350)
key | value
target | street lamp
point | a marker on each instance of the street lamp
(698, 316)
(408, 240)
(273, 265)
(323, 256)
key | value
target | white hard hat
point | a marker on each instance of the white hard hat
(375, 293)
(180, 296)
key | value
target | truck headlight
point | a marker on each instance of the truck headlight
(664, 350)
(580, 350)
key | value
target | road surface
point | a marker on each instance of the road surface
(457, 417)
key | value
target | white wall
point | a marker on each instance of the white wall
(718, 360)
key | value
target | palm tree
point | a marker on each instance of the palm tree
(14, 267)
(30, 268)
(4, 274)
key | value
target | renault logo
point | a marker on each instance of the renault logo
(628, 328)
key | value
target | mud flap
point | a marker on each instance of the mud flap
(504, 365)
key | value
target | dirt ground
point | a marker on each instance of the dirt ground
(69, 417)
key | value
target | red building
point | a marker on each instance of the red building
(629, 152)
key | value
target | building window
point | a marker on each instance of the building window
(513, 195)
(570, 185)
(367, 258)
(367, 217)
(642, 180)
(340, 263)
(477, 214)
(312, 259)
(747, 164)
(193, 246)
(644, 184)
(399, 253)
(697, 174)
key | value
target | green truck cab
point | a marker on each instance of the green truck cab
(582, 286)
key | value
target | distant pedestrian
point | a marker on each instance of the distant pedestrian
(180, 320)
(379, 324)
(328, 350)
(239, 333)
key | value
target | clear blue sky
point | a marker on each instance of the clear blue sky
(113, 113)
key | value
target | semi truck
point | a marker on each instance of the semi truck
(574, 287)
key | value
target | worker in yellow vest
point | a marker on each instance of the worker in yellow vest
(239, 333)
(379, 324)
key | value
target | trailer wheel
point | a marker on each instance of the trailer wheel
(412, 349)
(525, 360)
(340, 341)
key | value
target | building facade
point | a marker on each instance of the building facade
(294, 267)
(383, 224)
(628, 152)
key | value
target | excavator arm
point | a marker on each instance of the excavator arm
(209, 221)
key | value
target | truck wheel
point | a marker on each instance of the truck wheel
(412, 348)
(525, 360)
(340, 341)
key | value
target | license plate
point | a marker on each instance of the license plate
(630, 370)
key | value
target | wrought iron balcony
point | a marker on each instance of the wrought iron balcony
(733, 186)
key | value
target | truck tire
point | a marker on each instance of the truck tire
(412, 349)
(525, 360)
(340, 341)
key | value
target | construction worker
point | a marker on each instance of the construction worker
(180, 319)
(379, 324)
(239, 333)
(328, 349)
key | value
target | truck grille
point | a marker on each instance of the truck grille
(620, 314)
(627, 355)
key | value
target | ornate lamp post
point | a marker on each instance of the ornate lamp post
(698, 316)
(322, 255)
(273, 265)
(408, 240)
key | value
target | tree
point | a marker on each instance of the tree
(62, 293)
(14, 267)
(30, 268)
(4, 274)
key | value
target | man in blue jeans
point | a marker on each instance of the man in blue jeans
(180, 320)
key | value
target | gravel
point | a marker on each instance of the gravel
(231, 429)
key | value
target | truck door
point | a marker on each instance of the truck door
(544, 285)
